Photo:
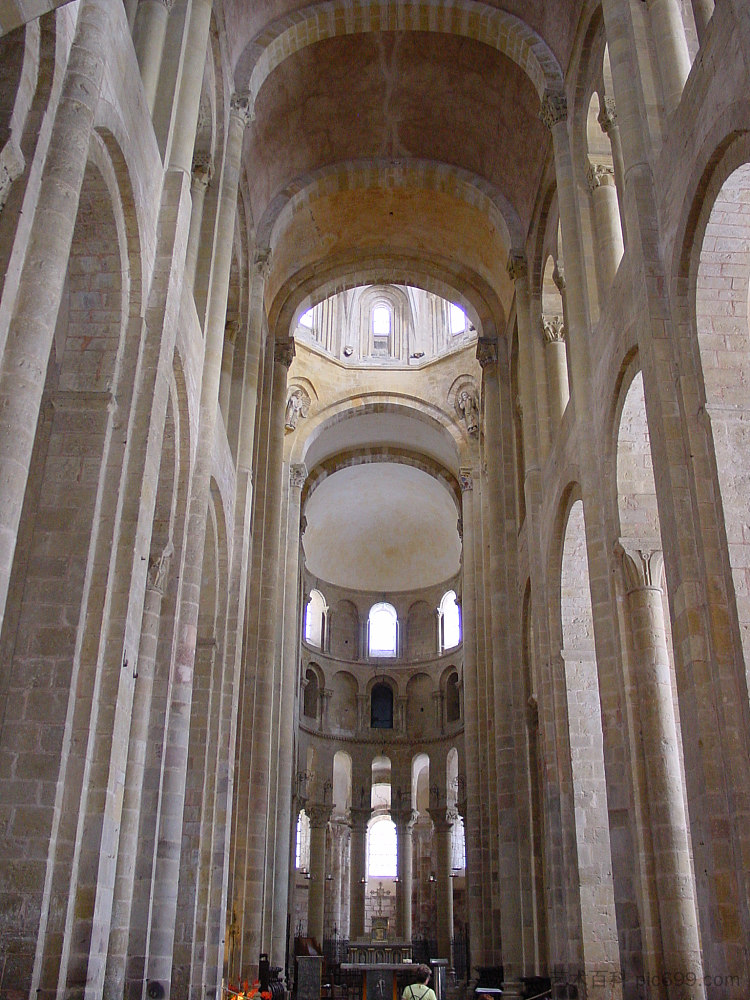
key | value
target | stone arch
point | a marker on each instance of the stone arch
(312, 685)
(479, 22)
(382, 708)
(80, 465)
(716, 269)
(586, 810)
(362, 174)
(27, 61)
(316, 614)
(450, 684)
(383, 454)
(446, 438)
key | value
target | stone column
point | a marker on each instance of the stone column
(443, 823)
(471, 729)
(437, 702)
(702, 13)
(519, 273)
(346, 882)
(319, 816)
(505, 765)
(404, 820)
(609, 247)
(288, 654)
(149, 31)
(675, 891)
(32, 326)
(202, 173)
(189, 90)
(227, 367)
(325, 700)
(357, 869)
(256, 936)
(363, 712)
(339, 830)
(607, 118)
(668, 33)
(556, 363)
(554, 114)
(166, 869)
(158, 576)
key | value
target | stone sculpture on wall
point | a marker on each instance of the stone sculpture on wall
(297, 404)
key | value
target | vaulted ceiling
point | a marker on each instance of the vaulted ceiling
(396, 139)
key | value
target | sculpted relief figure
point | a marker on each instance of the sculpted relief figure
(467, 405)
(297, 405)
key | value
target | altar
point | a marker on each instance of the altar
(380, 980)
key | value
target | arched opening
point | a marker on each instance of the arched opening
(453, 698)
(315, 620)
(382, 630)
(721, 312)
(311, 696)
(450, 627)
(381, 707)
(586, 742)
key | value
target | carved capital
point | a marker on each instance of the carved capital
(203, 171)
(465, 480)
(442, 819)
(231, 329)
(643, 567)
(607, 116)
(359, 817)
(405, 818)
(319, 814)
(599, 174)
(297, 475)
(554, 108)
(553, 328)
(486, 351)
(283, 352)
(241, 106)
(518, 266)
(262, 262)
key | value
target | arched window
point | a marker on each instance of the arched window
(381, 707)
(302, 846)
(382, 630)
(315, 620)
(312, 690)
(458, 846)
(382, 848)
(381, 331)
(456, 319)
(450, 628)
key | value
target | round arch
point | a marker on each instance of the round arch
(470, 19)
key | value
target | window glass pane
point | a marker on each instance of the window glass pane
(451, 631)
(457, 320)
(381, 858)
(383, 630)
(381, 321)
